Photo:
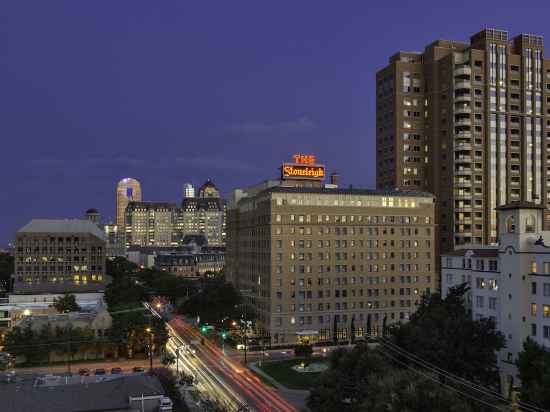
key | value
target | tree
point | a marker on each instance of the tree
(364, 380)
(66, 303)
(534, 372)
(345, 385)
(7, 267)
(335, 331)
(123, 292)
(443, 333)
(352, 330)
(119, 268)
(214, 304)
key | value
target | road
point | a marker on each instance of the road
(223, 378)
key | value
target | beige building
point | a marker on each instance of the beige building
(128, 190)
(59, 256)
(204, 214)
(149, 223)
(315, 257)
(468, 122)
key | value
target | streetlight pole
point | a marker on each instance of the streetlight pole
(243, 292)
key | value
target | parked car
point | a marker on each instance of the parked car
(99, 371)
(165, 404)
(138, 369)
(84, 372)
(116, 371)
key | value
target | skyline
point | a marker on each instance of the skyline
(166, 100)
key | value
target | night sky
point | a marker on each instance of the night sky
(170, 92)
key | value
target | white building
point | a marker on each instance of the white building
(509, 282)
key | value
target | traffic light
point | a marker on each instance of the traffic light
(224, 335)
(203, 329)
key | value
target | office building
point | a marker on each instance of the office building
(149, 223)
(509, 283)
(470, 123)
(312, 256)
(128, 190)
(59, 256)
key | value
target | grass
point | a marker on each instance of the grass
(281, 371)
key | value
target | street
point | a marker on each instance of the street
(220, 376)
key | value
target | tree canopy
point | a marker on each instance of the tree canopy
(534, 372)
(7, 267)
(443, 333)
(66, 303)
(214, 303)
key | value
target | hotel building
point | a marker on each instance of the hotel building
(313, 257)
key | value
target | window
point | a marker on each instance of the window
(533, 288)
(546, 332)
(479, 301)
(530, 224)
(533, 329)
(545, 311)
(510, 224)
(480, 283)
(546, 289)
(533, 309)
(492, 303)
(533, 266)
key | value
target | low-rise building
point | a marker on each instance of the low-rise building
(509, 283)
(59, 256)
(137, 392)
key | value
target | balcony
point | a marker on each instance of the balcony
(463, 84)
(463, 159)
(463, 122)
(463, 71)
(466, 97)
(463, 110)
(463, 183)
(463, 172)
(462, 196)
(463, 134)
(462, 146)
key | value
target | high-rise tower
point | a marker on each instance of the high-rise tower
(128, 190)
(469, 122)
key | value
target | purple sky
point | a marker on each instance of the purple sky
(170, 92)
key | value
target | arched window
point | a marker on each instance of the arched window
(530, 224)
(510, 224)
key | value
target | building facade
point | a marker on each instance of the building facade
(128, 190)
(59, 256)
(474, 114)
(165, 224)
(509, 283)
(149, 223)
(313, 258)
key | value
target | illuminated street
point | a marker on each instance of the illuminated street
(220, 377)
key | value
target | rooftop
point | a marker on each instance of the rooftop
(62, 226)
(481, 252)
(111, 394)
(519, 205)
(348, 191)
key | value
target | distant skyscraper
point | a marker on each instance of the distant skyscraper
(188, 190)
(128, 190)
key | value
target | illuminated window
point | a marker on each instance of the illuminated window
(546, 311)
(534, 266)
(533, 309)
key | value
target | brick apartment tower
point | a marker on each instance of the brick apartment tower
(469, 123)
